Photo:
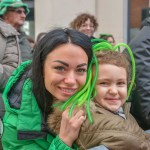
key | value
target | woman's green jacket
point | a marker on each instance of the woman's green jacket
(24, 126)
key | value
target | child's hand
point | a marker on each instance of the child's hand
(70, 126)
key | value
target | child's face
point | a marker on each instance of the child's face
(111, 87)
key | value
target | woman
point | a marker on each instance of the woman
(85, 23)
(58, 70)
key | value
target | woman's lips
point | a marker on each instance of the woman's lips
(68, 91)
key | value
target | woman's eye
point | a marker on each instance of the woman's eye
(81, 70)
(92, 26)
(83, 25)
(60, 68)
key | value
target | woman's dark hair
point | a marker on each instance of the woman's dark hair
(40, 36)
(48, 43)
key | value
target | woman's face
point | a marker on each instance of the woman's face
(65, 71)
(87, 28)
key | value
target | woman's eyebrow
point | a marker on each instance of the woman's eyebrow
(81, 65)
(62, 62)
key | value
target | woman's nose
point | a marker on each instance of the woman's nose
(70, 78)
(88, 27)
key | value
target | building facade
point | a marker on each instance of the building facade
(114, 16)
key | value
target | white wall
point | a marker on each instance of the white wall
(110, 16)
(59, 13)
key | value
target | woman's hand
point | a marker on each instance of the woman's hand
(70, 126)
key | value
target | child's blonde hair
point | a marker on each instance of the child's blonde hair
(115, 58)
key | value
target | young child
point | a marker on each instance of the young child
(113, 125)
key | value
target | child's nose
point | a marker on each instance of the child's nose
(113, 89)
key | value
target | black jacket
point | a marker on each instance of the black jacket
(140, 46)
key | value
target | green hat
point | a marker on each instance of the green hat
(4, 4)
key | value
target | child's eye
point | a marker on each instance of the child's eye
(121, 83)
(60, 68)
(104, 83)
(81, 70)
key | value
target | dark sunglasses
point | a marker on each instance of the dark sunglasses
(18, 11)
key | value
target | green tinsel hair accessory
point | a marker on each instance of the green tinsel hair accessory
(97, 40)
(105, 34)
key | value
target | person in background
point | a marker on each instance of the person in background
(14, 12)
(108, 37)
(40, 36)
(57, 72)
(9, 59)
(140, 98)
(31, 41)
(85, 23)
